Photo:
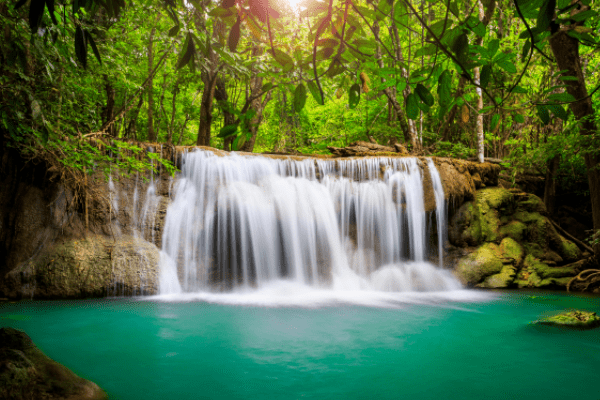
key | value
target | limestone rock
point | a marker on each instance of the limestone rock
(27, 373)
(485, 261)
(96, 266)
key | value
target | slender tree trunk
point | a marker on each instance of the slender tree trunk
(131, 131)
(109, 110)
(150, 88)
(173, 112)
(566, 52)
(550, 184)
(258, 105)
(228, 117)
(485, 18)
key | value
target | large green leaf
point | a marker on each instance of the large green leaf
(412, 106)
(353, 95)
(545, 14)
(234, 36)
(493, 47)
(558, 110)
(314, 90)
(424, 94)
(80, 46)
(443, 90)
(228, 130)
(542, 112)
(507, 65)
(284, 60)
(562, 97)
(299, 97)
(485, 75)
(494, 122)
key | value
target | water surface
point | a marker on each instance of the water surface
(462, 346)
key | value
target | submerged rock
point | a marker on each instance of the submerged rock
(572, 319)
(96, 266)
(27, 373)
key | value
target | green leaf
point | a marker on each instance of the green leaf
(485, 75)
(174, 31)
(189, 49)
(568, 78)
(412, 107)
(494, 122)
(583, 15)
(507, 65)
(542, 112)
(493, 47)
(444, 86)
(460, 47)
(546, 14)
(234, 36)
(299, 97)
(424, 94)
(314, 90)
(90, 40)
(519, 118)
(239, 142)
(266, 87)
(228, 130)
(519, 89)
(562, 97)
(354, 96)
(80, 46)
(558, 111)
(284, 60)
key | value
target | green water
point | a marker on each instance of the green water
(484, 349)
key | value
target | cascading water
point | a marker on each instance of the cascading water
(240, 222)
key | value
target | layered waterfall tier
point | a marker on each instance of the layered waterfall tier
(247, 221)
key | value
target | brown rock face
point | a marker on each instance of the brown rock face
(27, 373)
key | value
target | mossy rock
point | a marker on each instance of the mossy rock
(514, 230)
(533, 204)
(572, 319)
(27, 373)
(478, 221)
(503, 279)
(475, 267)
(538, 274)
(510, 249)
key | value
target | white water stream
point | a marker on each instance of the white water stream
(250, 223)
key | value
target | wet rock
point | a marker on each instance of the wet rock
(27, 373)
(572, 319)
(510, 227)
(96, 266)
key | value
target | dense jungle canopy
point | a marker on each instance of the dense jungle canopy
(515, 80)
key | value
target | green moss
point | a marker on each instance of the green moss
(555, 282)
(572, 319)
(502, 279)
(568, 250)
(484, 262)
(514, 230)
(494, 197)
(511, 249)
(532, 203)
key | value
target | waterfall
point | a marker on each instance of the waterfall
(241, 222)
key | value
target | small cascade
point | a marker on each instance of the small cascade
(241, 222)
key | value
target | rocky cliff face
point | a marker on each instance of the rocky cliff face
(504, 238)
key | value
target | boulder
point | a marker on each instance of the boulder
(513, 242)
(96, 266)
(27, 373)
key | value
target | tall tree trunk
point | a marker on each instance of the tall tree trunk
(566, 52)
(209, 78)
(173, 112)
(258, 105)
(228, 117)
(131, 131)
(485, 18)
(109, 110)
(150, 87)
(550, 184)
